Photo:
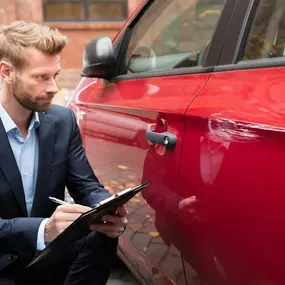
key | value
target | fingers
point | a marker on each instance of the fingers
(116, 220)
(120, 219)
(122, 211)
(73, 208)
(117, 223)
(65, 216)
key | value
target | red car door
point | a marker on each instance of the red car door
(231, 193)
(167, 61)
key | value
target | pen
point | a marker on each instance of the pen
(58, 201)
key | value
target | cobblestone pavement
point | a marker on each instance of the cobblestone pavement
(121, 275)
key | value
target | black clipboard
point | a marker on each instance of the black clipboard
(80, 227)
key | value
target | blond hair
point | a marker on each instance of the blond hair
(20, 36)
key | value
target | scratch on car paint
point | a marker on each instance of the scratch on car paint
(230, 130)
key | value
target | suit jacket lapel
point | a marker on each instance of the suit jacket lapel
(46, 135)
(10, 169)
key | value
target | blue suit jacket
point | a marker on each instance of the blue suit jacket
(62, 162)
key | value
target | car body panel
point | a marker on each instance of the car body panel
(117, 118)
(231, 194)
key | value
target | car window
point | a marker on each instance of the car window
(267, 35)
(173, 34)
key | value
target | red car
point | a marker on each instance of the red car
(190, 96)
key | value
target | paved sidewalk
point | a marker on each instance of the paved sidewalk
(121, 275)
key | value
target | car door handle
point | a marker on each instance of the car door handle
(166, 139)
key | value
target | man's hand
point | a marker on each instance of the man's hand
(116, 223)
(63, 216)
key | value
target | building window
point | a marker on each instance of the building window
(85, 10)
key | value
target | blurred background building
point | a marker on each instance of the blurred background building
(79, 20)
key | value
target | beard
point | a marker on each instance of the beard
(26, 99)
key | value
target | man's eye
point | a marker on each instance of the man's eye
(43, 77)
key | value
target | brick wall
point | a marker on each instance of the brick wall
(7, 11)
(29, 10)
(78, 33)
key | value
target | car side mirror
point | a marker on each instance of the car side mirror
(99, 58)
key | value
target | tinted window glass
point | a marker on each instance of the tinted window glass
(173, 34)
(267, 35)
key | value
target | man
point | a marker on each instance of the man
(41, 152)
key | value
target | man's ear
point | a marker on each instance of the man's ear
(6, 71)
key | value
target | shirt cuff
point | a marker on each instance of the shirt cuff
(41, 238)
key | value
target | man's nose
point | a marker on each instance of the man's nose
(52, 87)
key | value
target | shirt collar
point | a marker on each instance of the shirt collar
(9, 123)
(35, 122)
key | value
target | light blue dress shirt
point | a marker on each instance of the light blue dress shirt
(26, 153)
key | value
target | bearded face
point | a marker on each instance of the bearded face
(34, 86)
(27, 99)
